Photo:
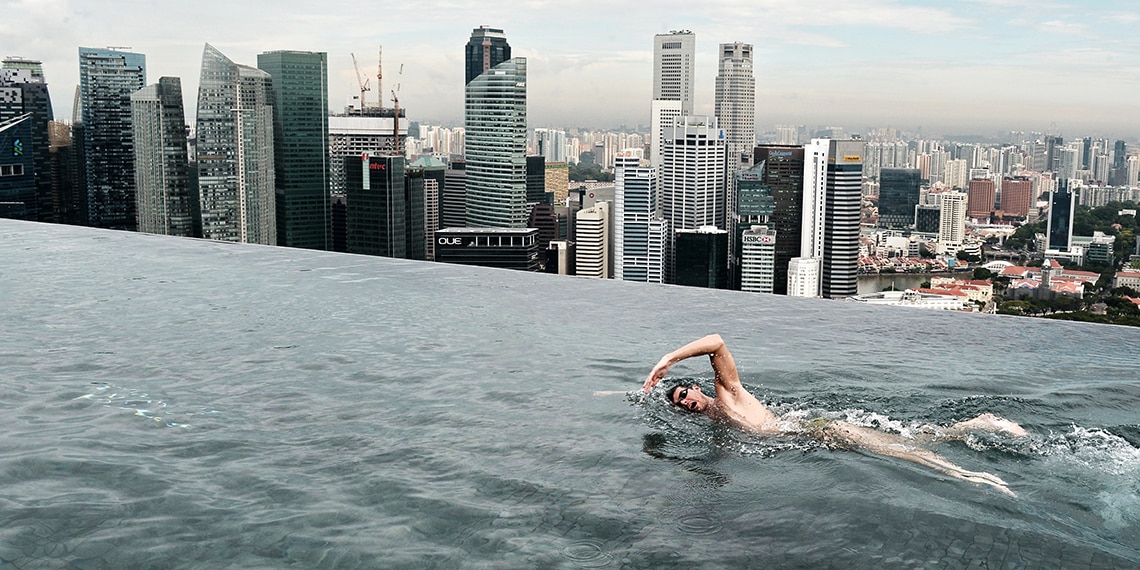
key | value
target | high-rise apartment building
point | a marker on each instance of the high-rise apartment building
(735, 100)
(165, 203)
(1017, 196)
(107, 78)
(674, 59)
(954, 174)
(301, 146)
(952, 221)
(234, 131)
(495, 139)
(981, 196)
(23, 89)
(833, 177)
(693, 181)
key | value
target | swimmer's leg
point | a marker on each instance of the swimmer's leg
(882, 443)
(988, 422)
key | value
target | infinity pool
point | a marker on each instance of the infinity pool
(170, 402)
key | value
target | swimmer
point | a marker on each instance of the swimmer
(735, 405)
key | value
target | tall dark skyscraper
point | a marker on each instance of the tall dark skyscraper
(24, 90)
(898, 195)
(107, 78)
(487, 48)
(17, 180)
(299, 97)
(1062, 203)
(781, 169)
(375, 191)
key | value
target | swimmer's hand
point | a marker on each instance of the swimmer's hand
(658, 373)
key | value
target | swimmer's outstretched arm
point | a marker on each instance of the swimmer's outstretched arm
(713, 345)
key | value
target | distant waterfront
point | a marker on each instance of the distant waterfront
(873, 283)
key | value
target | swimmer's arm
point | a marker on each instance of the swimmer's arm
(713, 345)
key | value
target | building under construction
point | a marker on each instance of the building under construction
(365, 127)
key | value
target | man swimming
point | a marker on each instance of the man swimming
(736, 405)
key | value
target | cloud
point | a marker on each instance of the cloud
(1059, 27)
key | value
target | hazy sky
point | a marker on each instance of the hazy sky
(963, 67)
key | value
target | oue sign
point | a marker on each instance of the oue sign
(449, 241)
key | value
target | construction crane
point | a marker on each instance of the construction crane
(396, 113)
(362, 81)
(380, 72)
(396, 120)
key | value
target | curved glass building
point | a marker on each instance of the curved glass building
(495, 147)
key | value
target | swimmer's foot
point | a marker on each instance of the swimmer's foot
(986, 479)
(992, 423)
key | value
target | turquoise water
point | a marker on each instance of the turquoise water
(179, 403)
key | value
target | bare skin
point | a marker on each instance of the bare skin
(737, 406)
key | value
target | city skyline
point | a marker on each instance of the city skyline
(980, 66)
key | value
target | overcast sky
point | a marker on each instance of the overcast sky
(963, 67)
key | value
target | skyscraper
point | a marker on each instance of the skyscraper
(1016, 196)
(162, 176)
(735, 104)
(377, 205)
(833, 177)
(674, 59)
(107, 78)
(1062, 205)
(981, 195)
(235, 151)
(495, 139)
(17, 180)
(898, 195)
(701, 255)
(487, 48)
(781, 171)
(758, 260)
(640, 235)
(693, 182)
(24, 90)
(663, 117)
(952, 221)
(593, 237)
(300, 145)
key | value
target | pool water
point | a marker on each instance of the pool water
(170, 402)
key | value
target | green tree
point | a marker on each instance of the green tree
(981, 273)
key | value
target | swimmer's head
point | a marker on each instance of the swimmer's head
(688, 397)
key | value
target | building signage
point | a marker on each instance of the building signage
(852, 158)
(749, 176)
(455, 241)
(764, 239)
(365, 177)
(783, 153)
